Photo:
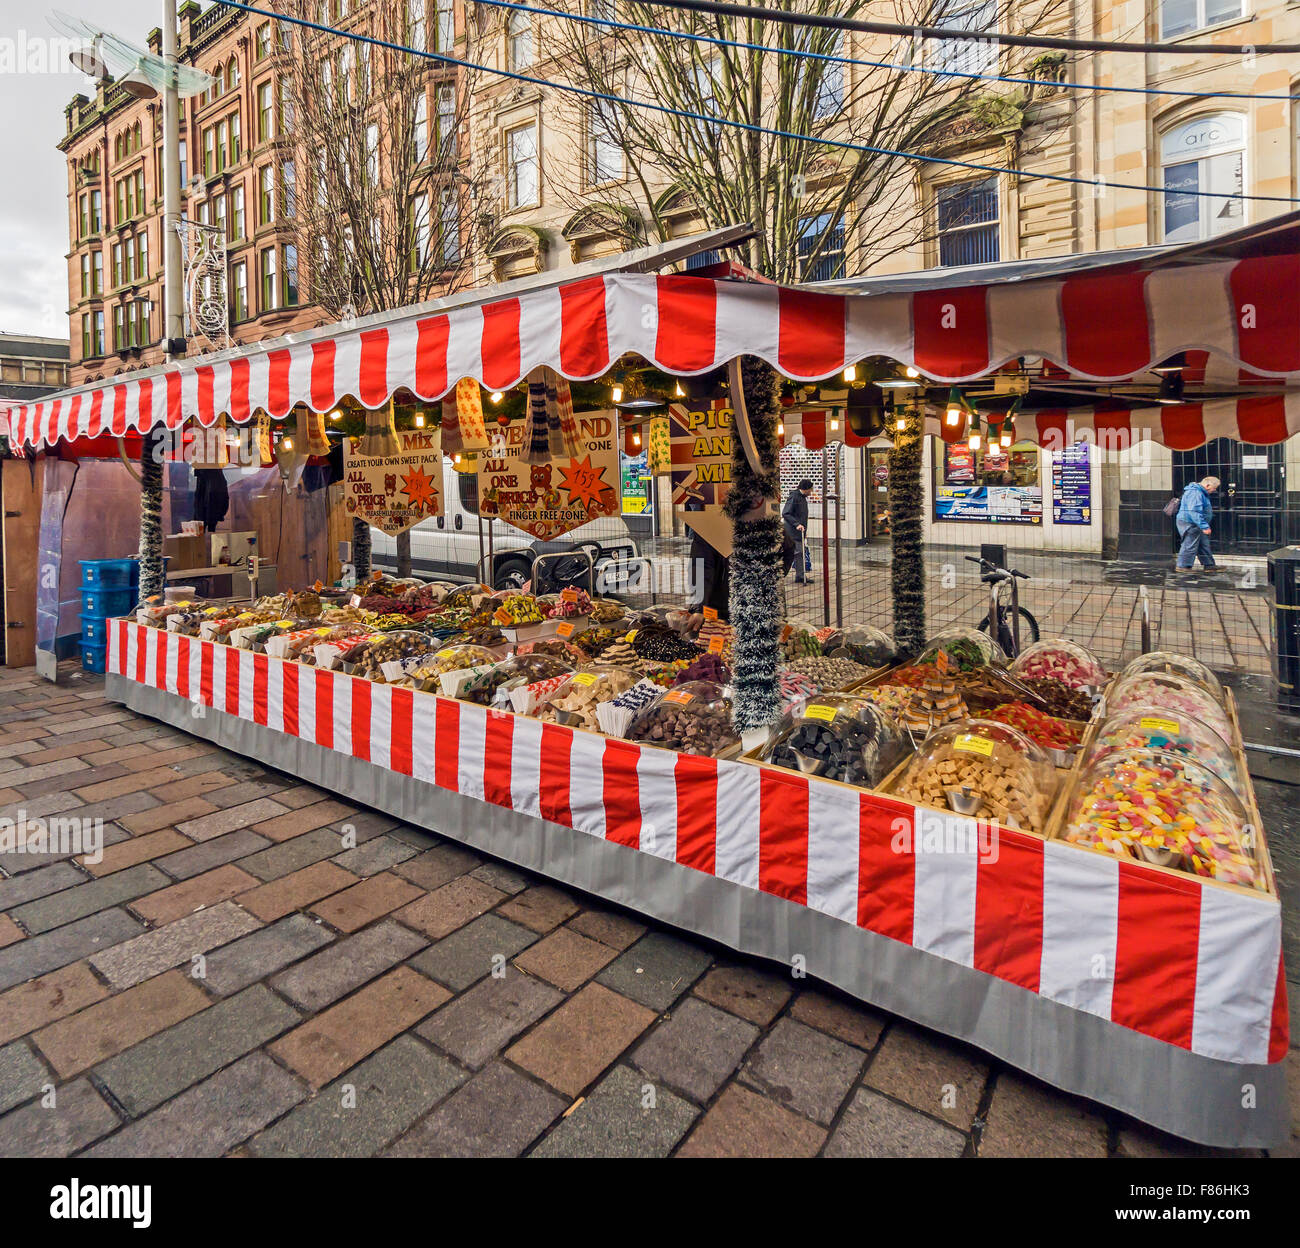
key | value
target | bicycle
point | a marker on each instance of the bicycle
(1014, 624)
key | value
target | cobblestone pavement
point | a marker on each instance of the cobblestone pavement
(236, 977)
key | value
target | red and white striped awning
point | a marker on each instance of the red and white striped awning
(1105, 324)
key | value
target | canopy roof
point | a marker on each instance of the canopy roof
(1234, 298)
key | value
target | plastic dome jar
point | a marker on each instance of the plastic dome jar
(574, 701)
(694, 717)
(862, 643)
(1152, 728)
(841, 737)
(1166, 809)
(1171, 664)
(467, 597)
(983, 769)
(524, 669)
(1172, 695)
(967, 648)
(1062, 660)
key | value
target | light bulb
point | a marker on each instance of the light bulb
(617, 393)
(851, 373)
(900, 423)
(455, 459)
(286, 444)
(678, 392)
(974, 440)
(780, 428)
(497, 396)
(419, 420)
(636, 439)
(336, 414)
(910, 371)
(835, 424)
(1007, 437)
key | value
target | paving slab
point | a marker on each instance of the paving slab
(473, 951)
(742, 1123)
(156, 1069)
(803, 1069)
(25, 1007)
(357, 1114)
(624, 1115)
(262, 953)
(212, 1118)
(89, 898)
(874, 1126)
(41, 883)
(498, 1113)
(481, 1022)
(144, 956)
(22, 1075)
(95, 935)
(323, 978)
(78, 1116)
(695, 1049)
(656, 970)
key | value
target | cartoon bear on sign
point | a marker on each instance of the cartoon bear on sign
(541, 483)
(390, 483)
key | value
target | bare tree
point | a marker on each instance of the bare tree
(820, 208)
(377, 178)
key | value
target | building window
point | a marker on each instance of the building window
(209, 152)
(521, 166)
(966, 217)
(290, 276)
(821, 248)
(239, 291)
(270, 289)
(221, 146)
(120, 341)
(86, 288)
(444, 18)
(96, 211)
(604, 156)
(87, 337)
(219, 214)
(97, 321)
(289, 188)
(185, 168)
(446, 106)
(1205, 154)
(601, 10)
(450, 222)
(262, 48)
(976, 55)
(236, 144)
(265, 195)
(84, 217)
(519, 41)
(420, 128)
(415, 24)
(830, 90)
(142, 256)
(372, 154)
(236, 213)
(129, 261)
(97, 272)
(1180, 17)
(119, 273)
(286, 107)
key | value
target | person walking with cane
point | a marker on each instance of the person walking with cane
(1195, 512)
(794, 516)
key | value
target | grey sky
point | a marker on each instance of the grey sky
(34, 210)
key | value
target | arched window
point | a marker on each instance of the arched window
(1205, 154)
(232, 75)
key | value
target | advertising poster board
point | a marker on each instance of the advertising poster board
(1072, 485)
(700, 446)
(393, 492)
(547, 499)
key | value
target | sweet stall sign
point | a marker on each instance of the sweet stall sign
(393, 492)
(557, 495)
(700, 448)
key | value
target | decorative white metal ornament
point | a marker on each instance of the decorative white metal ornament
(203, 254)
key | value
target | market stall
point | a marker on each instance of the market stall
(1041, 871)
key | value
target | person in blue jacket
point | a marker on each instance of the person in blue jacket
(1193, 520)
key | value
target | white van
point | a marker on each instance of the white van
(450, 546)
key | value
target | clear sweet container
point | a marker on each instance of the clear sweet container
(694, 718)
(840, 737)
(574, 701)
(985, 770)
(1167, 809)
(862, 643)
(1173, 695)
(451, 659)
(1170, 664)
(1062, 660)
(490, 686)
(1153, 728)
(467, 596)
(367, 657)
(967, 649)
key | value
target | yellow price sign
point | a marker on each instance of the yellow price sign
(969, 743)
(819, 710)
(1155, 723)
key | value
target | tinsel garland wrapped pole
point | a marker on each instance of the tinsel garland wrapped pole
(755, 602)
(151, 498)
(361, 550)
(906, 500)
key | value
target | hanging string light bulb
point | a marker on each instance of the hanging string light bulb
(975, 438)
(952, 417)
(1008, 438)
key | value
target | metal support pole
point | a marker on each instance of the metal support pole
(839, 537)
(1015, 617)
(826, 540)
(173, 288)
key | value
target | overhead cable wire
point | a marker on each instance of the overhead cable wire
(835, 59)
(790, 17)
(749, 127)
